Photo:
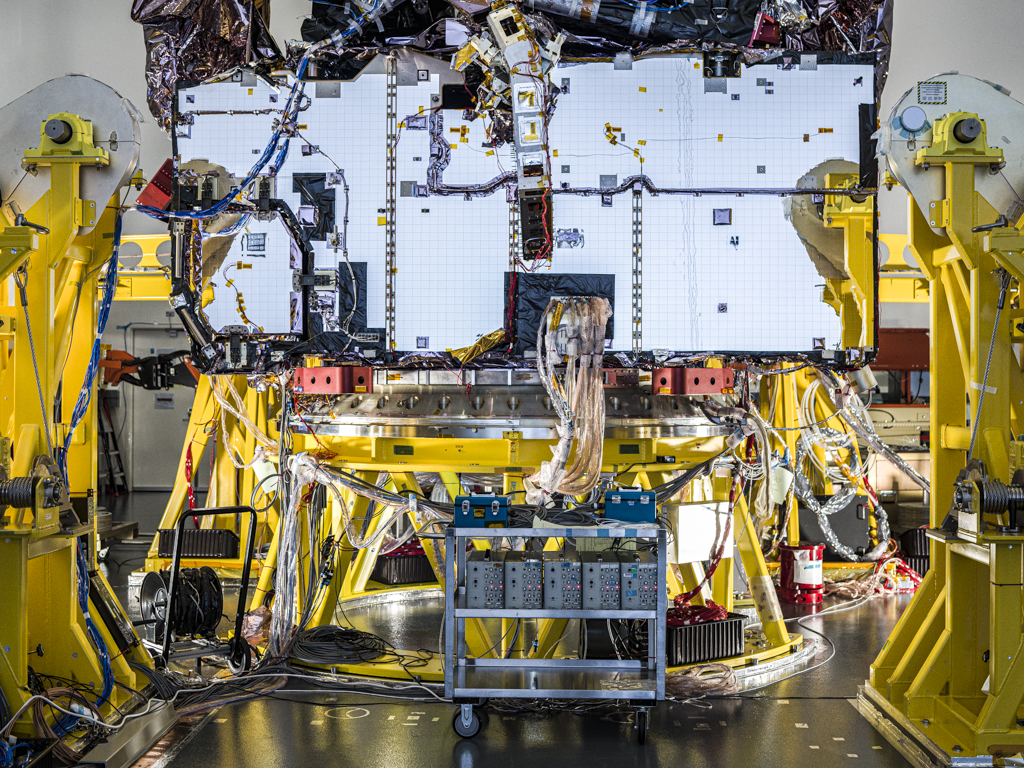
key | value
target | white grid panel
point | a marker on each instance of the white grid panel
(681, 124)
(451, 257)
(452, 253)
(770, 288)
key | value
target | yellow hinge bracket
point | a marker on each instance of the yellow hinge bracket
(938, 213)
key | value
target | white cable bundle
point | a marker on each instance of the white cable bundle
(578, 398)
(286, 577)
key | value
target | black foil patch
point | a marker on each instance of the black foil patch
(527, 295)
(868, 146)
(312, 188)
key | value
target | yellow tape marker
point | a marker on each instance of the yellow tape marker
(490, 152)
(382, 220)
(555, 153)
(642, 142)
(421, 110)
(643, 89)
(721, 136)
(454, 146)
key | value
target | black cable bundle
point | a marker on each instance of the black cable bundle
(328, 645)
(198, 602)
(165, 687)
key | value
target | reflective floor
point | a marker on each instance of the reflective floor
(808, 717)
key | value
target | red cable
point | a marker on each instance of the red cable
(188, 479)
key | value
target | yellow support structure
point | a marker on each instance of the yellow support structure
(49, 275)
(952, 672)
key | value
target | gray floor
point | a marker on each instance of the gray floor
(807, 718)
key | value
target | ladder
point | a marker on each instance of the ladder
(108, 437)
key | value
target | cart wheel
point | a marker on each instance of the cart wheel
(642, 719)
(240, 658)
(466, 728)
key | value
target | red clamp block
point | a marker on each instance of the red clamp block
(344, 380)
(157, 193)
(692, 381)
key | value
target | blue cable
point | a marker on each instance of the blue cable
(257, 168)
(66, 723)
(85, 395)
(91, 630)
(268, 153)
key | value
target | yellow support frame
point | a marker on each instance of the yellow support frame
(38, 565)
(952, 672)
(512, 457)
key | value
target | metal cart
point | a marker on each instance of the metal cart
(470, 682)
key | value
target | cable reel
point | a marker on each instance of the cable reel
(41, 490)
(197, 606)
(976, 495)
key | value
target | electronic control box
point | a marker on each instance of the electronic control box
(631, 506)
(485, 579)
(524, 580)
(601, 574)
(562, 584)
(481, 512)
(638, 573)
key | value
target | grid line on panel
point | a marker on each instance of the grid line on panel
(638, 270)
(390, 246)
